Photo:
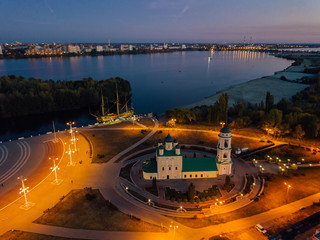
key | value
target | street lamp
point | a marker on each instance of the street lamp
(174, 230)
(73, 138)
(222, 123)
(288, 188)
(24, 190)
(70, 155)
(54, 169)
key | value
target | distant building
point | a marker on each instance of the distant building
(124, 47)
(99, 48)
(170, 164)
(130, 47)
(73, 48)
(151, 47)
(1, 50)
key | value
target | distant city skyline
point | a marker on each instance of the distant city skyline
(286, 21)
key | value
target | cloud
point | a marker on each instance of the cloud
(183, 11)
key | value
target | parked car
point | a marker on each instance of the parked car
(261, 229)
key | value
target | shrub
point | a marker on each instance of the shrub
(192, 201)
(203, 199)
(179, 200)
(185, 200)
(208, 198)
(173, 199)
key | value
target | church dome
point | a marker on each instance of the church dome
(168, 138)
(161, 147)
(159, 141)
(178, 146)
(175, 140)
(225, 129)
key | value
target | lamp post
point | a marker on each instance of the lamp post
(70, 155)
(73, 138)
(24, 190)
(174, 230)
(54, 169)
(54, 132)
(288, 188)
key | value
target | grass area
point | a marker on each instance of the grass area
(294, 153)
(305, 182)
(19, 235)
(198, 138)
(87, 209)
(107, 144)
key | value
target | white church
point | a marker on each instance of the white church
(170, 164)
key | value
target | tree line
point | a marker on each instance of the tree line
(21, 96)
(298, 117)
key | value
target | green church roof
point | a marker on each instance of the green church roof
(225, 129)
(150, 167)
(169, 138)
(199, 164)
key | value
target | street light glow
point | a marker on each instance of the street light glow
(24, 190)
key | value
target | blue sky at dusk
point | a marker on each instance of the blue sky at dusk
(219, 21)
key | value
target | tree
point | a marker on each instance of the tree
(269, 101)
(273, 118)
(298, 132)
(191, 190)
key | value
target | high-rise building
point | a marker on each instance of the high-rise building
(0, 50)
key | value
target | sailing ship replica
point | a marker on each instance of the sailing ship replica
(107, 117)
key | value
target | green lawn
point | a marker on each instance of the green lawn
(107, 144)
(87, 209)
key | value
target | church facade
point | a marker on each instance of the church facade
(170, 164)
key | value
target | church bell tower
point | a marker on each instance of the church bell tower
(224, 162)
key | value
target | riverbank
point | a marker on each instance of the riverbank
(282, 84)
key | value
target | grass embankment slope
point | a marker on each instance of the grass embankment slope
(19, 235)
(87, 209)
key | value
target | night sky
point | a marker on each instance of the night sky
(219, 21)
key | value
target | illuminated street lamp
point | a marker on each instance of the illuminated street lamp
(70, 155)
(222, 123)
(73, 138)
(54, 169)
(24, 190)
(174, 230)
(288, 188)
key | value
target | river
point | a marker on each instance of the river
(159, 81)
